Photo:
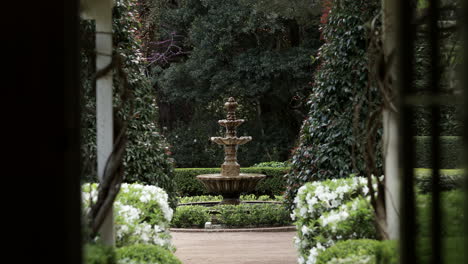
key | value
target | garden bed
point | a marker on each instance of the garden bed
(205, 213)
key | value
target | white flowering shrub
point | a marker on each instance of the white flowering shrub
(329, 211)
(142, 214)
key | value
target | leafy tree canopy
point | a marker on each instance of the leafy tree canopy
(257, 51)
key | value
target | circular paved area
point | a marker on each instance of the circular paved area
(235, 247)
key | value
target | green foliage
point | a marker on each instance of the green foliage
(449, 179)
(146, 159)
(257, 51)
(325, 217)
(275, 183)
(386, 252)
(141, 214)
(257, 215)
(360, 251)
(452, 212)
(451, 151)
(453, 249)
(190, 216)
(330, 211)
(272, 164)
(188, 185)
(327, 144)
(243, 215)
(97, 253)
(450, 123)
(145, 254)
(218, 198)
(360, 248)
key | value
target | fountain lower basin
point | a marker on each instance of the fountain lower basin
(230, 187)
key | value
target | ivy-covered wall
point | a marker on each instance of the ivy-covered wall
(327, 143)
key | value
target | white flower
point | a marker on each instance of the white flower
(303, 212)
(365, 190)
(293, 216)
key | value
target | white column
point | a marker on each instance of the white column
(390, 139)
(392, 173)
(104, 119)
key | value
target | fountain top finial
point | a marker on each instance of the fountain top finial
(231, 106)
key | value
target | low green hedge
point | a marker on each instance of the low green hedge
(274, 183)
(386, 252)
(253, 215)
(190, 216)
(96, 253)
(349, 251)
(219, 198)
(450, 179)
(331, 211)
(451, 149)
(361, 251)
(143, 253)
(188, 185)
(243, 215)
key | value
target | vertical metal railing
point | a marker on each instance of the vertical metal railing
(72, 158)
(464, 83)
(404, 80)
(436, 239)
(407, 99)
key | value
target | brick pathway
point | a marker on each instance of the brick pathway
(235, 247)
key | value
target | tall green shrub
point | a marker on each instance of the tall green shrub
(327, 145)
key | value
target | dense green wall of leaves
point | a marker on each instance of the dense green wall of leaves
(327, 139)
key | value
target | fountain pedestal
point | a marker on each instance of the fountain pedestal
(230, 183)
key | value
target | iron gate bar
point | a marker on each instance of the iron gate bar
(70, 192)
(406, 35)
(434, 34)
(464, 85)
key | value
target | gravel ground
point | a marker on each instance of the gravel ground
(235, 247)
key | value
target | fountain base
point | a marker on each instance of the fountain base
(230, 187)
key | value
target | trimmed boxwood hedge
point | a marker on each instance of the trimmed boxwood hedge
(386, 252)
(450, 179)
(358, 248)
(97, 253)
(274, 183)
(451, 148)
(188, 185)
(143, 253)
(242, 215)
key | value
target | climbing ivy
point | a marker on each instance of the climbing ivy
(147, 157)
(327, 144)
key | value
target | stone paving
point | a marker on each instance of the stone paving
(235, 247)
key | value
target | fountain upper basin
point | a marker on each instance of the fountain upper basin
(230, 140)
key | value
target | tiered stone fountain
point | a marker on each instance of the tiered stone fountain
(230, 183)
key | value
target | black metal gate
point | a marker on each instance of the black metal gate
(407, 29)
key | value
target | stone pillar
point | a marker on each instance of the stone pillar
(104, 117)
(390, 141)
